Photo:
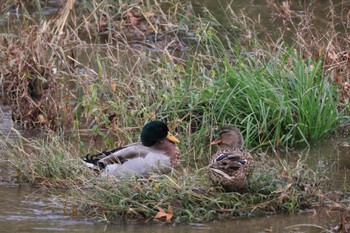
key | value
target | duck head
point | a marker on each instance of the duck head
(229, 136)
(155, 131)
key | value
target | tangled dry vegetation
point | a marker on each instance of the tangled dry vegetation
(31, 84)
(40, 68)
(330, 44)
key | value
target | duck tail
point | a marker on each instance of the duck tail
(92, 159)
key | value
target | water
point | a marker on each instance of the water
(22, 211)
(264, 13)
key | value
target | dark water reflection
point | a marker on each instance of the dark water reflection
(323, 155)
(261, 11)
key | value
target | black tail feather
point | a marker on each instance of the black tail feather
(93, 159)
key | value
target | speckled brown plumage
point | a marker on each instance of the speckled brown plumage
(231, 166)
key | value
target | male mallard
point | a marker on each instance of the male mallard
(230, 166)
(156, 153)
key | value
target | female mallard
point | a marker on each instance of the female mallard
(157, 153)
(230, 166)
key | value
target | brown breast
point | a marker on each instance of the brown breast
(170, 149)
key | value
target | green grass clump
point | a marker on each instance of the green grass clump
(281, 100)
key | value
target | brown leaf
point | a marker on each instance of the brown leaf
(161, 213)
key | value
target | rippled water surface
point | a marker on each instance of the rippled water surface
(21, 211)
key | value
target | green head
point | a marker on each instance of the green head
(155, 131)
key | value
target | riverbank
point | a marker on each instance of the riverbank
(185, 195)
(109, 71)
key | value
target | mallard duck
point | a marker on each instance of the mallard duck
(230, 166)
(156, 153)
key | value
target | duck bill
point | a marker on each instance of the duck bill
(172, 138)
(216, 141)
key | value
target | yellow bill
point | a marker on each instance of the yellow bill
(172, 138)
